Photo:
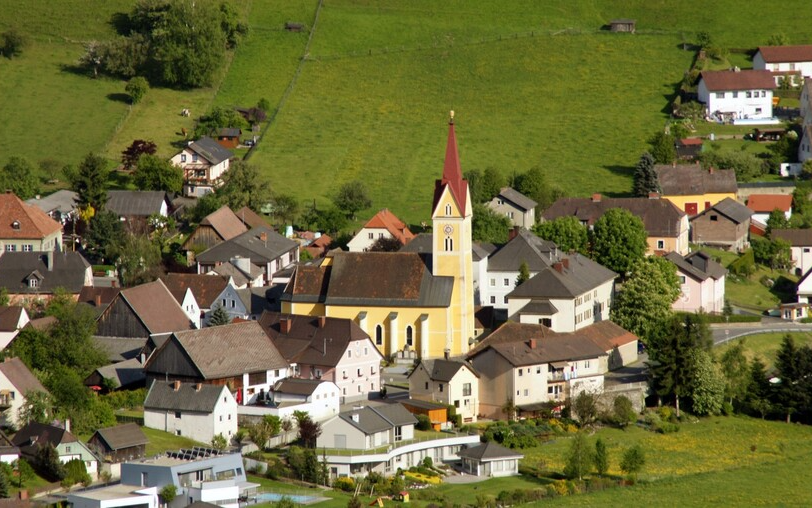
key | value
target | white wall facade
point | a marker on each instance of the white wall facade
(202, 177)
(191, 308)
(366, 237)
(462, 391)
(116, 496)
(805, 68)
(801, 258)
(743, 103)
(573, 314)
(322, 405)
(695, 295)
(44, 244)
(196, 425)
(251, 391)
(7, 337)
(223, 493)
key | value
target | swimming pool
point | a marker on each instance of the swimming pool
(273, 497)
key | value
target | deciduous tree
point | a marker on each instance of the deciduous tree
(285, 208)
(352, 197)
(736, 370)
(139, 147)
(580, 457)
(644, 303)
(13, 42)
(19, 176)
(619, 240)
(244, 185)
(535, 185)
(566, 232)
(601, 457)
(707, 385)
(663, 149)
(137, 88)
(385, 244)
(633, 460)
(138, 262)
(489, 226)
(157, 174)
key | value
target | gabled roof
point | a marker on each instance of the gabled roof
(444, 370)
(660, 216)
(452, 173)
(573, 276)
(377, 419)
(225, 351)
(22, 221)
(766, 203)
(229, 132)
(261, 245)
(35, 435)
(697, 265)
(517, 198)
(122, 436)
(199, 398)
(205, 288)
(20, 377)
(239, 277)
(126, 373)
(10, 317)
(795, 237)
(524, 247)
(385, 219)
(489, 451)
(225, 223)
(319, 247)
(312, 340)
(607, 335)
(127, 203)
(91, 295)
(210, 150)
(255, 300)
(156, 307)
(691, 180)
(62, 201)
(119, 349)
(68, 271)
(308, 284)
(731, 81)
(731, 209)
(250, 218)
(296, 386)
(780, 54)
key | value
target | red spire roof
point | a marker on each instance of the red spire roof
(452, 174)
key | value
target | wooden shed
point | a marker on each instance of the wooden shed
(437, 413)
(119, 444)
(622, 25)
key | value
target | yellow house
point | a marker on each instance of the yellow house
(398, 298)
(694, 189)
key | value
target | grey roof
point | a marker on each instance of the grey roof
(119, 349)
(229, 132)
(210, 150)
(577, 275)
(527, 247)
(297, 386)
(444, 370)
(489, 451)
(698, 265)
(380, 418)
(542, 307)
(62, 201)
(795, 237)
(17, 268)
(126, 203)
(126, 373)
(731, 209)
(255, 300)
(239, 277)
(250, 245)
(162, 396)
(517, 198)
(122, 436)
(423, 244)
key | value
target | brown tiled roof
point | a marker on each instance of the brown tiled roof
(156, 307)
(227, 350)
(766, 203)
(779, 54)
(250, 218)
(18, 375)
(692, 180)
(10, 317)
(33, 222)
(607, 335)
(795, 237)
(309, 283)
(205, 288)
(319, 246)
(388, 221)
(88, 295)
(660, 216)
(724, 81)
(225, 223)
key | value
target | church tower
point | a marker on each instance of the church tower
(452, 246)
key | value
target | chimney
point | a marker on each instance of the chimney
(565, 262)
(176, 385)
(445, 354)
(50, 260)
(513, 233)
(98, 301)
(596, 198)
(355, 417)
(559, 267)
(242, 263)
(654, 195)
(198, 386)
(284, 325)
(532, 343)
(67, 424)
(263, 237)
(710, 170)
(322, 321)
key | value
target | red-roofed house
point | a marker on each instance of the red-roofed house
(783, 60)
(318, 248)
(764, 204)
(383, 224)
(26, 228)
(737, 94)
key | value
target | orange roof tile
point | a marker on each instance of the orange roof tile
(33, 222)
(396, 227)
(766, 203)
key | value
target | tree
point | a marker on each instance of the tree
(4, 484)
(354, 502)
(707, 384)
(776, 220)
(219, 442)
(216, 119)
(90, 182)
(704, 40)
(352, 197)
(48, 463)
(566, 232)
(736, 371)
(623, 411)
(13, 42)
(243, 185)
(157, 174)
(779, 39)
(601, 457)
(619, 240)
(138, 262)
(775, 253)
(331, 221)
(795, 388)
(580, 457)
(644, 303)
(509, 408)
(645, 177)
(19, 176)
(259, 433)
(139, 147)
(586, 407)
(232, 27)
(745, 164)
(633, 460)
(663, 149)
(285, 208)
(492, 184)
(219, 317)
(534, 185)
(37, 407)
(24, 472)
(75, 472)
(758, 390)
(309, 431)
(489, 226)
(137, 88)
(524, 273)
(385, 244)
(104, 235)
(168, 493)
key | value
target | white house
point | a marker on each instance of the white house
(800, 241)
(763, 205)
(115, 496)
(16, 382)
(318, 398)
(452, 382)
(203, 163)
(490, 459)
(805, 146)
(383, 224)
(12, 319)
(784, 60)
(702, 283)
(737, 94)
(194, 410)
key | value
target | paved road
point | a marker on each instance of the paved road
(722, 334)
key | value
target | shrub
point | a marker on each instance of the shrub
(423, 422)
(344, 483)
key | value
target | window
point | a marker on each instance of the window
(195, 157)
(223, 301)
(177, 432)
(372, 236)
(714, 218)
(493, 283)
(505, 299)
(466, 389)
(792, 66)
(449, 244)
(409, 336)
(441, 387)
(28, 247)
(457, 404)
(349, 353)
(379, 335)
(183, 157)
(661, 244)
(758, 111)
(11, 248)
(32, 283)
(233, 304)
(398, 433)
(448, 209)
(493, 300)
(721, 95)
(276, 373)
(763, 94)
(67, 449)
(144, 479)
(344, 374)
(344, 391)
(380, 235)
(177, 414)
(735, 95)
(682, 279)
(506, 282)
(748, 95)
(538, 370)
(359, 373)
(510, 215)
(806, 249)
(257, 378)
(221, 418)
(526, 392)
(521, 372)
(547, 322)
(427, 385)
(586, 364)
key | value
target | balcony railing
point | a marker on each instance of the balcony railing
(438, 436)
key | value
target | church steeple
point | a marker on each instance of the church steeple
(452, 174)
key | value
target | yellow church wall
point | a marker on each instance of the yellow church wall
(303, 309)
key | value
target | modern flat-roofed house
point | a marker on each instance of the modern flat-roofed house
(194, 410)
(518, 208)
(452, 382)
(702, 283)
(693, 189)
(491, 460)
(26, 228)
(737, 94)
(383, 224)
(791, 61)
(116, 495)
(725, 224)
(203, 163)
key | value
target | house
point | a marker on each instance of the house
(194, 410)
(529, 364)
(619, 344)
(318, 248)
(763, 205)
(693, 189)
(29, 276)
(794, 311)
(517, 207)
(262, 246)
(410, 306)
(217, 227)
(122, 375)
(229, 137)
(622, 25)
(8, 452)
(118, 444)
(383, 224)
(317, 397)
(136, 207)
(26, 228)
(491, 460)
(688, 149)
(449, 381)
(238, 354)
(803, 289)
(113, 496)
(666, 224)
(800, 242)
(242, 272)
(383, 437)
(246, 303)
(60, 206)
(119, 349)
(196, 293)
(436, 412)
(724, 225)
(98, 298)
(784, 60)
(573, 293)
(805, 146)
(203, 163)
(702, 283)
(34, 436)
(327, 348)
(142, 311)
(737, 94)
(16, 383)
(12, 319)
(250, 218)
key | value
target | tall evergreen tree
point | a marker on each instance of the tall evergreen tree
(645, 177)
(90, 182)
(219, 317)
(793, 393)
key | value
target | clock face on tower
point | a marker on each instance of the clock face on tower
(448, 229)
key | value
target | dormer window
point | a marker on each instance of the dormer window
(15, 225)
(33, 283)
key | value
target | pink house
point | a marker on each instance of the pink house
(702, 283)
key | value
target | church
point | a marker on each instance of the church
(405, 301)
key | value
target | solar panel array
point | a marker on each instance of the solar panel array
(198, 452)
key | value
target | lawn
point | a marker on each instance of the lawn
(160, 442)
(764, 345)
